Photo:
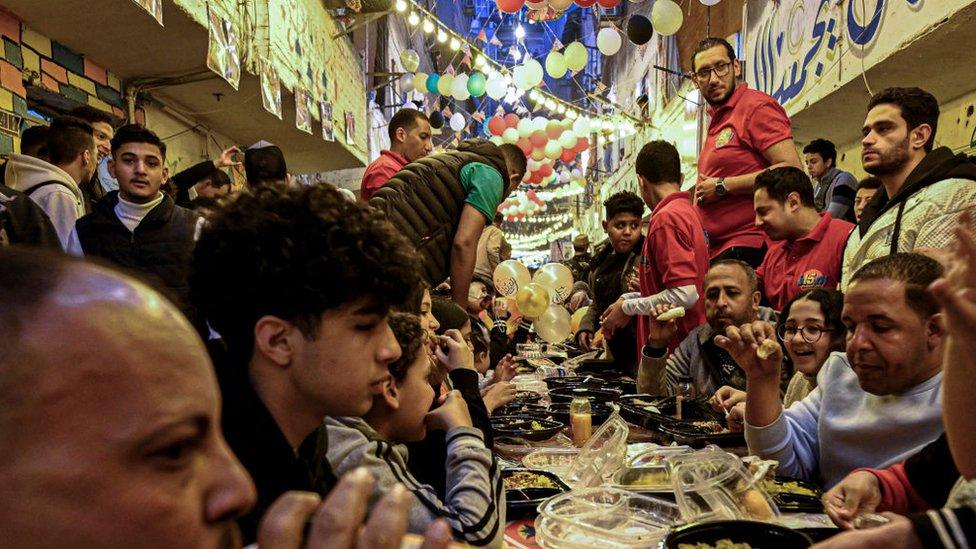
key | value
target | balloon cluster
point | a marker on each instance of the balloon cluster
(460, 86)
(523, 204)
(547, 10)
(542, 140)
(538, 298)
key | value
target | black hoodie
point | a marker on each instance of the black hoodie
(938, 165)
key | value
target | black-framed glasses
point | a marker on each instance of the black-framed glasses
(720, 70)
(810, 333)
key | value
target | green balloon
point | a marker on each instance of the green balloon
(476, 84)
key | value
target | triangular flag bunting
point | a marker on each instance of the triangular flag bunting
(482, 36)
(557, 45)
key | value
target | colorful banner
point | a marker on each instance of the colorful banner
(222, 54)
(270, 88)
(154, 7)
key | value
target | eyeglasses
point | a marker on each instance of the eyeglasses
(720, 70)
(810, 334)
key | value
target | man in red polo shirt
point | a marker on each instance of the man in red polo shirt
(748, 133)
(410, 139)
(809, 246)
(675, 255)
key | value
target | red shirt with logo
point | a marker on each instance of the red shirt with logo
(381, 170)
(739, 131)
(675, 254)
(811, 261)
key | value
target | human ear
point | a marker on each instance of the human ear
(276, 339)
(391, 394)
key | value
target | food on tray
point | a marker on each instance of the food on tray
(767, 348)
(790, 487)
(549, 460)
(671, 314)
(720, 544)
(755, 505)
(536, 426)
(528, 479)
(660, 477)
(650, 406)
(713, 427)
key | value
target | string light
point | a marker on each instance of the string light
(520, 32)
(401, 5)
(455, 44)
(428, 26)
(441, 36)
(413, 19)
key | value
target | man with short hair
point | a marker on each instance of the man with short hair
(866, 189)
(924, 189)
(206, 179)
(410, 139)
(834, 192)
(264, 164)
(807, 247)
(103, 129)
(139, 227)
(298, 282)
(731, 298)
(873, 406)
(54, 184)
(748, 132)
(493, 248)
(579, 264)
(33, 141)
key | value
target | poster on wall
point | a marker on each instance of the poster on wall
(328, 129)
(350, 128)
(303, 114)
(222, 55)
(270, 88)
(154, 7)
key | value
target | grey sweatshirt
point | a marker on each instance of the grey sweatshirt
(475, 506)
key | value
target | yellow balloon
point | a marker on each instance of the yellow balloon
(576, 56)
(557, 278)
(509, 276)
(554, 325)
(577, 318)
(420, 82)
(532, 300)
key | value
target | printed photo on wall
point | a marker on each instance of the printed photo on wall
(350, 128)
(222, 55)
(270, 88)
(154, 7)
(328, 129)
(303, 114)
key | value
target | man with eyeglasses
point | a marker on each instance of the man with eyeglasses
(808, 245)
(749, 132)
(876, 404)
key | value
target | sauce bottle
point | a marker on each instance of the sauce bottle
(580, 420)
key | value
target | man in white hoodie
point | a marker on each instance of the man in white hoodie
(54, 184)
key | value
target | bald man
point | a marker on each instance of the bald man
(110, 428)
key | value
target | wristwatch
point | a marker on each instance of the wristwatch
(720, 188)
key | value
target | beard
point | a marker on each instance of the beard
(721, 100)
(890, 161)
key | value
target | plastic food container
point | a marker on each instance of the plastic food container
(714, 485)
(661, 455)
(647, 480)
(605, 517)
(601, 456)
(555, 460)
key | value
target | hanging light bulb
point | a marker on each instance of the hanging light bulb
(401, 5)
(413, 19)
(480, 60)
(441, 36)
(455, 44)
(428, 26)
(520, 32)
(561, 109)
(572, 115)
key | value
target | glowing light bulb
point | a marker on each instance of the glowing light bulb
(428, 26)
(480, 61)
(401, 5)
(413, 19)
(455, 44)
(441, 36)
(520, 32)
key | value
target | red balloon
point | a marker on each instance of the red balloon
(511, 120)
(608, 3)
(536, 178)
(585, 3)
(496, 125)
(538, 139)
(568, 155)
(531, 195)
(546, 170)
(526, 145)
(582, 144)
(554, 129)
(509, 6)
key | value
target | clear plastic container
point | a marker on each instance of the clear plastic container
(660, 455)
(602, 455)
(554, 460)
(609, 517)
(712, 484)
(650, 479)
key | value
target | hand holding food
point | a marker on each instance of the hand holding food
(498, 395)
(453, 352)
(744, 344)
(662, 325)
(453, 412)
(858, 493)
(725, 398)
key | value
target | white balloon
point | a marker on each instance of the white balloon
(608, 41)
(459, 89)
(525, 127)
(706, 2)
(539, 123)
(497, 140)
(533, 73)
(576, 173)
(510, 135)
(564, 177)
(666, 17)
(457, 122)
(533, 165)
(567, 140)
(496, 88)
(581, 127)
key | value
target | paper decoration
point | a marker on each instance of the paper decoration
(350, 128)
(222, 55)
(154, 7)
(328, 130)
(303, 114)
(270, 88)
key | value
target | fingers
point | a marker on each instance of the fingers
(454, 335)
(388, 521)
(338, 519)
(283, 526)
(437, 536)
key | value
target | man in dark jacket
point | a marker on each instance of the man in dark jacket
(24, 222)
(442, 203)
(579, 264)
(138, 227)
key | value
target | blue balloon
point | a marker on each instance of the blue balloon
(432, 82)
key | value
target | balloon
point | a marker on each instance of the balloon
(457, 122)
(554, 129)
(533, 165)
(539, 123)
(420, 82)
(581, 126)
(555, 325)
(564, 177)
(710, 2)
(524, 127)
(496, 140)
(556, 65)
(557, 278)
(510, 135)
(444, 84)
(667, 17)
(524, 144)
(585, 3)
(546, 170)
(560, 5)
(532, 300)
(568, 155)
(639, 29)
(509, 6)
(608, 4)
(536, 5)
(436, 119)
(608, 41)
(496, 125)
(410, 60)
(576, 56)
(533, 73)
(476, 84)
(538, 138)
(553, 150)
(509, 276)
(582, 144)
(538, 153)
(511, 120)
(432, 83)
(496, 88)
(577, 318)
(459, 89)
(576, 173)
(567, 140)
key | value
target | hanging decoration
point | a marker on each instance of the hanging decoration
(303, 114)
(608, 40)
(576, 56)
(270, 88)
(436, 120)
(666, 17)
(509, 6)
(639, 29)
(556, 64)
(222, 55)
(410, 60)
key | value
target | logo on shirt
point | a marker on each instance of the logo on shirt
(812, 279)
(724, 138)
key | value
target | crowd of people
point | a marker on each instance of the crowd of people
(191, 363)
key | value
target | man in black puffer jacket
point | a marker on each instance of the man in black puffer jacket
(442, 202)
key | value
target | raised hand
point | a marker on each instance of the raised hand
(452, 412)
(659, 334)
(746, 345)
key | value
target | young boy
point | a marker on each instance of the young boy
(474, 505)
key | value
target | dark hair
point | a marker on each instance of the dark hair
(623, 202)
(219, 178)
(780, 183)
(409, 333)
(137, 133)
(265, 165)
(917, 107)
(479, 336)
(204, 203)
(67, 138)
(296, 253)
(709, 43)
(33, 141)
(824, 148)
(831, 306)
(93, 115)
(27, 276)
(743, 266)
(916, 271)
(449, 314)
(498, 219)
(658, 162)
(515, 159)
(870, 182)
(406, 119)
